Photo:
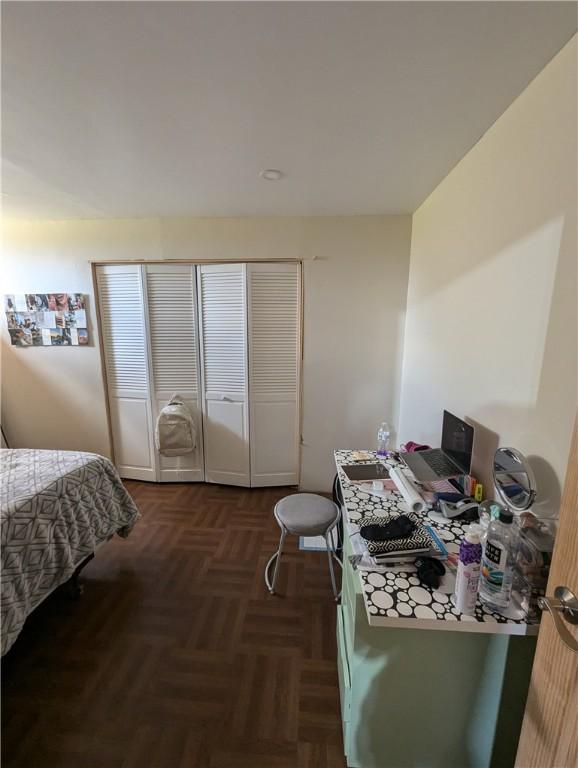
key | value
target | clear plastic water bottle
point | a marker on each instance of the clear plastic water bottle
(383, 435)
(498, 561)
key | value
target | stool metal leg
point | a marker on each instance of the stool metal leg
(277, 558)
(279, 551)
(329, 546)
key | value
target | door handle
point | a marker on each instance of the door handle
(226, 399)
(564, 608)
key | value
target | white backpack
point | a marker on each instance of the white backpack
(176, 433)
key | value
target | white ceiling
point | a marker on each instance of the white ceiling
(117, 109)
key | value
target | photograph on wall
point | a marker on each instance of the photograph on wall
(46, 319)
(15, 303)
(36, 301)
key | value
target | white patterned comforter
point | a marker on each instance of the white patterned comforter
(56, 507)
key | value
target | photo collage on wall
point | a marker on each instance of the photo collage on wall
(46, 319)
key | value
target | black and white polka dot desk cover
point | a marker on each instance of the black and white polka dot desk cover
(396, 598)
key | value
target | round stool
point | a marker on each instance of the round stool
(305, 514)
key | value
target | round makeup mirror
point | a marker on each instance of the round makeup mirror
(514, 479)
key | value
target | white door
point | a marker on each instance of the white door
(223, 313)
(174, 354)
(124, 339)
(274, 300)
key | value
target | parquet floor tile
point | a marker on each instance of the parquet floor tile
(176, 656)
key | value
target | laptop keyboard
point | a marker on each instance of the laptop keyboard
(440, 465)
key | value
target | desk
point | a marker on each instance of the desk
(397, 599)
(420, 683)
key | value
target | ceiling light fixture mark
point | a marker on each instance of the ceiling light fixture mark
(271, 174)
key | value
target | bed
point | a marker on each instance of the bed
(56, 509)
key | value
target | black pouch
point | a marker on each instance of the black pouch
(398, 528)
(430, 571)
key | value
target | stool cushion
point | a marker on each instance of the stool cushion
(306, 514)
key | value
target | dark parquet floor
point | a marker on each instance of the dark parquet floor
(176, 656)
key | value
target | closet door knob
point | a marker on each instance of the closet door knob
(226, 399)
(564, 608)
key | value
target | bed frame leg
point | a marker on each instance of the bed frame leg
(73, 587)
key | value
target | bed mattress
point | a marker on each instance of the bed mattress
(56, 508)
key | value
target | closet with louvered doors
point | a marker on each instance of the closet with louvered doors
(274, 323)
(171, 306)
(124, 339)
(148, 321)
(226, 338)
(223, 302)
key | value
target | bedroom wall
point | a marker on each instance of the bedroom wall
(355, 287)
(492, 322)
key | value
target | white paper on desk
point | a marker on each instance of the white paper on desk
(368, 488)
(408, 490)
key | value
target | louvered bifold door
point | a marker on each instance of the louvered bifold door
(174, 354)
(124, 340)
(223, 312)
(274, 311)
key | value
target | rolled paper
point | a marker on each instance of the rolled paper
(408, 490)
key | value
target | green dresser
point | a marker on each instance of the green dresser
(417, 697)
(427, 698)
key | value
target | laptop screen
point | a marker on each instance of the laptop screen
(458, 441)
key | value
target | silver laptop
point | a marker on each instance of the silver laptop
(452, 459)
